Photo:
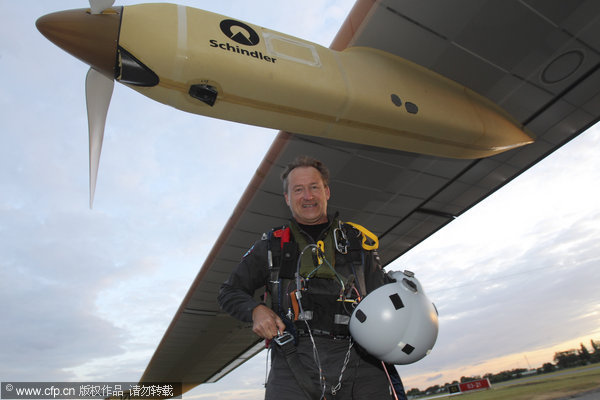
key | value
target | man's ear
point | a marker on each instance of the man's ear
(287, 201)
(327, 191)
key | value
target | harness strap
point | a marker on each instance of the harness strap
(286, 344)
(274, 282)
(355, 254)
(367, 234)
(283, 234)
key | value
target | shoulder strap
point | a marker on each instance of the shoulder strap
(366, 236)
(360, 246)
(280, 254)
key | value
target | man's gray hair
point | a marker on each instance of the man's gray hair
(305, 161)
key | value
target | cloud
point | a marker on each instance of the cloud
(434, 378)
(49, 317)
(526, 290)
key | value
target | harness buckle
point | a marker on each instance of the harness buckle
(284, 338)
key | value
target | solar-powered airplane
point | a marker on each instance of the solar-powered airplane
(421, 109)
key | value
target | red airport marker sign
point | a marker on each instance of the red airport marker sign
(480, 384)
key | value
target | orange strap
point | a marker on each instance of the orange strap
(295, 306)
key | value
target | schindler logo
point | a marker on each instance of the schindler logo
(242, 34)
(239, 32)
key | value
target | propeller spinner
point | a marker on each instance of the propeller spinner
(90, 35)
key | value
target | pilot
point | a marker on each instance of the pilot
(314, 269)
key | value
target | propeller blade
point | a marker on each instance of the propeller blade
(97, 6)
(98, 91)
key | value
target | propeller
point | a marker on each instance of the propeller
(97, 6)
(98, 92)
(92, 36)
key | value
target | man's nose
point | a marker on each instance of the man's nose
(307, 194)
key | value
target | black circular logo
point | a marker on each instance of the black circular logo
(239, 32)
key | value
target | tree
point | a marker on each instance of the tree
(432, 389)
(464, 379)
(566, 359)
(548, 367)
(584, 355)
(595, 356)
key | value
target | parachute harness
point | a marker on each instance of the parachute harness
(301, 284)
(348, 288)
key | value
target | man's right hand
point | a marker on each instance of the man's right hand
(265, 323)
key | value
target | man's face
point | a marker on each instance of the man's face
(307, 196)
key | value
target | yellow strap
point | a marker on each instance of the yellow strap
(366, 234)
(320, 251)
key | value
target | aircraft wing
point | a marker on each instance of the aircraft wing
(539, 60)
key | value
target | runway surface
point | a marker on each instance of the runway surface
(589, 395)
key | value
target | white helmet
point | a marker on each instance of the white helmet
(396, 322)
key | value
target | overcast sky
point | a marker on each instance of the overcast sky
(88, 294)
